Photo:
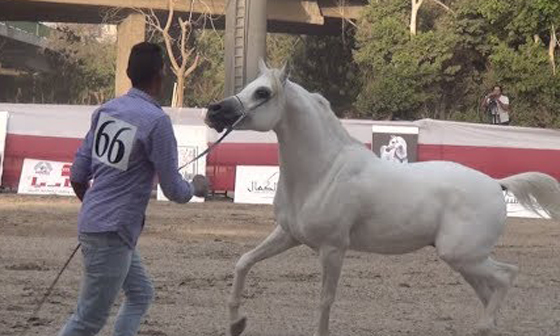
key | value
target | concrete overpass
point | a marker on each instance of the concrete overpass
(246, 26)
(21, 45)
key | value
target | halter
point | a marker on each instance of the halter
(244, 114)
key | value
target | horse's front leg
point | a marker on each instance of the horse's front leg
(331, 262)
(277, 242)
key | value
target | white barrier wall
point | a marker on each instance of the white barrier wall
(3, 133)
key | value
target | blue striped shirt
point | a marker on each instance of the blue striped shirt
(129, 141)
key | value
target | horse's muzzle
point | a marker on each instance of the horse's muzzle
(223, 114)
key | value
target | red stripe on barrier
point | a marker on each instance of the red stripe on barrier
(496, 162)
(19, 147)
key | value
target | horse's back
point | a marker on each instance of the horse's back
(403, 207)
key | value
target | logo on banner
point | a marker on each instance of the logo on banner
(43, 168)
(395, 150)
(186, 154)
(395, 143)
(191, 140)
(515, 209)
(268, 185)
(256, 184)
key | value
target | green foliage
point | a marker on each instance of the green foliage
(525, 72)
(404, 77)
(455, 59)
(375, 70)
(206, 84)
(85, 64)
(324, 64)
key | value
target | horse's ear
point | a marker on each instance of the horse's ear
(284, 73)
(262, 66)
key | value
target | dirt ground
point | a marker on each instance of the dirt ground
(190, 251)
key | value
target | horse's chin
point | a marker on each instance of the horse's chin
(215, 125)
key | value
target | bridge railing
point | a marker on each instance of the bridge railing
(33, 28)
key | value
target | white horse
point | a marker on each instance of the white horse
(334, 195)
(395, 151)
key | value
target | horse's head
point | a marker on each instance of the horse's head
(400, 145)
(260, 103)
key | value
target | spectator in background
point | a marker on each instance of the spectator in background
(497, 106)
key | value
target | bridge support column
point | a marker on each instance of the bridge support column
(130, 31)
(246, 27)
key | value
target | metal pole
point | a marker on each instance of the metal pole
(246, 27)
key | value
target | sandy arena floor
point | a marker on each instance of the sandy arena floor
(190, 251)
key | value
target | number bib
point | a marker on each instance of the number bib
(113, 141)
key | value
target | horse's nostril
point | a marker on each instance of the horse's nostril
(215, 107)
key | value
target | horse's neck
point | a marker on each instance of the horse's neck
(310, 137)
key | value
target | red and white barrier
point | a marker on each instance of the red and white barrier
(3, 133)
(54, 132)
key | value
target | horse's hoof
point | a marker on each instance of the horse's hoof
(486, 328)
(237, 327)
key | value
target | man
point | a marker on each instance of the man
(498, 106)
(130, 140)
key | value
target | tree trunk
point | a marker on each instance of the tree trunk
(536, 38)
(552, 49)
(414, 16)
(180, 90)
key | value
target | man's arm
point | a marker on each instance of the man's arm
(81, 167)
(162, 151)
(504, 105)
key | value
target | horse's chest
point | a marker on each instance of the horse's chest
(291, 221)
(308, 226)
(308, 216)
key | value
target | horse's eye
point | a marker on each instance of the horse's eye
(262, 93)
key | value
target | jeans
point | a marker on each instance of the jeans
(109, 265)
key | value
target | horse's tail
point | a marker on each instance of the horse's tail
(533, 190)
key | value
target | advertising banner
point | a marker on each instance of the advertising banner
(256, 184)
(395, 143)
(41, 177)
(191, 141)
(514, 209)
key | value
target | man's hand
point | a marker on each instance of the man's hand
(80, 189)
(200, 184)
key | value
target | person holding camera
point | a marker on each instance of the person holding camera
(497, 106)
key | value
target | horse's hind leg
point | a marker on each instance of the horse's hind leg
(495, 279)
(277, 242)
(490, 280)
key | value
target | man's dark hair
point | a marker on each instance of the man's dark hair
(144, 64)
(499, 87)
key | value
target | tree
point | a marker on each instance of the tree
(403, 78)
(206, 84)
(416, 4)
(322, 63)
(85, 63)
(452, 61)
(183, 55)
